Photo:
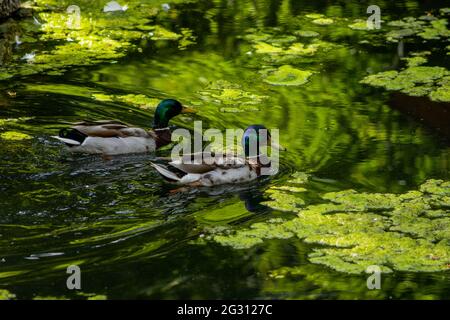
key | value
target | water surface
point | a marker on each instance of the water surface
(119, 221)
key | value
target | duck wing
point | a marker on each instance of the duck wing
(204, 162)
(109, 129)
(99, 122)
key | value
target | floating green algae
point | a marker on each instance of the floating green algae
(287, 197)
(359, 25)
(93, 38)
(307, 33)
(421, 74)
(420, 91)
(269, 36)
(288, 76)
(231, 96)
(282, 39)
(160, 33)
(255, 235)
(14, 136)
(405, 27)
(441, 94)
(299, 178)
(436, 30)
(403, 232)
(415, 61)
(290, 53)
(138, 100)
(102, 97)
(323, 21)
(414, 80)
(302, 49)
(6, 295)
(256, 35)
(262, 47)
(430, 28)
(315, 16)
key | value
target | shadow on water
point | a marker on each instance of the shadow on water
(435, 115)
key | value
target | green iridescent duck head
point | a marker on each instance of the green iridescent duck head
(256, 136)
(166, 110)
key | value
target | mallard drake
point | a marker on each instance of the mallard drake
(115, 137)
(217, 169)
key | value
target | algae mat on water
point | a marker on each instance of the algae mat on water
(417, 79)
(56, 38)
(353, 230)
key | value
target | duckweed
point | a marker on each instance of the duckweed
(102, 97)
(233, 96)
(414, 80)
(415, 61)
(284, 201)
(436, 30)
(315, 16)
(160, 33)
(14, 136)
(307, 33)
(428, 28)
(441, 94)
(262, 47)
(98, 37)
(137, 100)
(276, 54)
(302, 49)
(288, 76)
(359, 25)
(299, 178)
(323, 21)
(352, 230)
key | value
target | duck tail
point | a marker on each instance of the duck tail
(68, 142)
(165, 173)
(71, 137)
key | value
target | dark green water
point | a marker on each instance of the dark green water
(133, 238)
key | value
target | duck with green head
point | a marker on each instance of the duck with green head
(115, 137)
(219, 169)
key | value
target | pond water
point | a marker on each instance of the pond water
(119, 221)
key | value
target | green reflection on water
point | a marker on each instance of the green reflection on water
(130, 235)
